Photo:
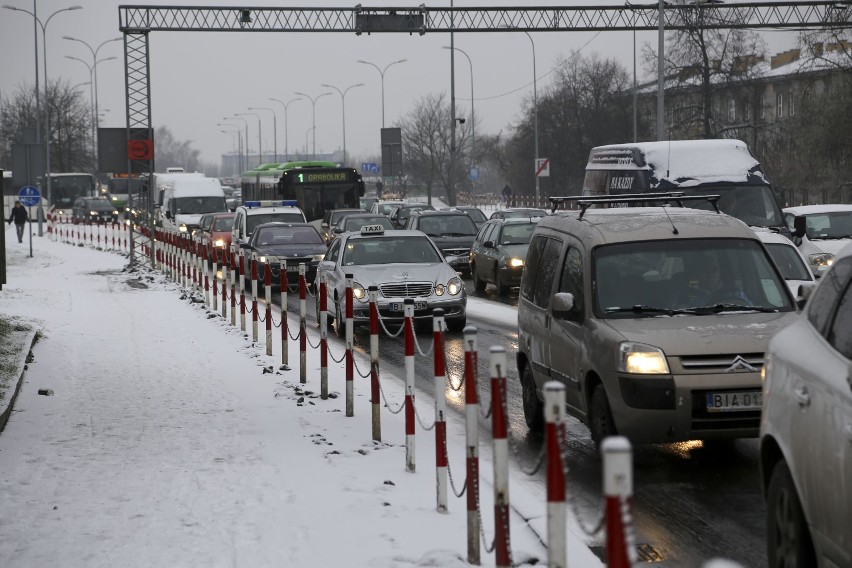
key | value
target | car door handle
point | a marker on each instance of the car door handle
(801, 395)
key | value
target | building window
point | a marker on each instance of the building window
(746, 111)
(763, 106)
(779, 105)
(792, 106)
(732, 110)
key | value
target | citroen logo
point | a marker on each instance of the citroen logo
(740, 365)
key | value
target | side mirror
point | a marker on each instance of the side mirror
(488, 244)
(324, 225)
(805, 291)
(799, 226)
(563, 303)
(245, 246)
(168, 214)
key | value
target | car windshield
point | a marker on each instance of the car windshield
(697, 276)
(477, 215)
(253, 221)
(282, 235)
(355, 223)
(223, 224)
(517, 234)
(386, 208)
(833, 225)
(339, 214)
(754, 205)
(102, 204)
(200, 204)
(390, 250)
(447, 226)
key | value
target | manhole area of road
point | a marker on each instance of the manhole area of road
(645, 552)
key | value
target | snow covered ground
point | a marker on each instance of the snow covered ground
(165, 442)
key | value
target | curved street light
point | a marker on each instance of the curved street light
(287, 104)
(46, 87)
(382, 73)
(313, 118)
(259, 139)
(343, 104)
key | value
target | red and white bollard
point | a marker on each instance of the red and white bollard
(554, 435)
(500, 432)
(410, 463)
(233, 260)
(267, 282)
(322, 318)
(350, 356)
(618, 492)
(440, 376)
(375, 388)
(253, 298)
(242, 291)
(471, 414)
(215, 270)
(225, 267)
(303, 334)
(285, 343)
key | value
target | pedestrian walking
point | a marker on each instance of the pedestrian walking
(20, 218)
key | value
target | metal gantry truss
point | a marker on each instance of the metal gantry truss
(138, 21)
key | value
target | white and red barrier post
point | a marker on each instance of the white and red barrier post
(254, 298)
(242, 261)
(410, 463)
(350, 356)
(440, 376)
(554, 435)
(233, 260)
(204, 257)
(285, 344)
(322, 318)
(215, 277)
(471, 412)
(375, 392)
(226, 265)
(267, 282)
(303, 335)
(618, 492)
(500, 433)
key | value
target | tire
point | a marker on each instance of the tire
(533, 407)
(478, 283)
(601, 423)
(788, 542)
(457, 325)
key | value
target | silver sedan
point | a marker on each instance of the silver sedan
(401, 264)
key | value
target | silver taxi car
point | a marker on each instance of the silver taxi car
(401, 264)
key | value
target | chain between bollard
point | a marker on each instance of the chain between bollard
(358, 370)
(387, 331)
(342, 357)
(458, 494)
(420, 420)
(417, 343)
(488, 549)
(563, 446)
(387, 404)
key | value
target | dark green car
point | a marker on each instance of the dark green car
(499, 253)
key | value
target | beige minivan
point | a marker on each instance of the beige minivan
(655, 318)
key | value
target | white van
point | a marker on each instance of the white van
(185, 197)
(696, 167)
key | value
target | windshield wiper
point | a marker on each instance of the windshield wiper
(646, 310)
(718, 308)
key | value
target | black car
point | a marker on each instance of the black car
(355, 221)
(499, 253)
(452, 231)
(330, 219)
(474, 213)
(94, 210)
(289, 244)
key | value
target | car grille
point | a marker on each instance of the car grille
(406, 290)
(721, 363)
(456, 251)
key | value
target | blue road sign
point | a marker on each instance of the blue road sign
(369, 167)
(29, 196)
(474, 173)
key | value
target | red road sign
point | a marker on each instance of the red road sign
(542, 167)
(140, 149)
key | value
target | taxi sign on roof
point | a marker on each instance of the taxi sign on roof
(372, 230)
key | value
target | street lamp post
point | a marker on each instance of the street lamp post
(94, 79)
(93, 94)
(46, 91)
(259, 139)
(307, 133)
(274, 129)
(287, 104)
(247, 136)
(535, 122)
(382, 73)
(343, 105)
(239, 143)
(313, 118)
(472, 116)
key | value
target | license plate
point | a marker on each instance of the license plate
(734, 401)
(400, 306)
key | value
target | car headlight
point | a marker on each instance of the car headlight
(220, 243)
(358, 292)
(93, 212)
(183, 229)
(821, 260)
(455, 286)
(261, 259)
(641, 359)
(115, 212)
(439, 290)
(515, 262)
(318, 257)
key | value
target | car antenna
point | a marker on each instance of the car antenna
(674, 228)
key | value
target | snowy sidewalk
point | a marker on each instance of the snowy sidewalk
(166, 444)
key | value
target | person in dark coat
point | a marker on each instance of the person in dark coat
(20, 218)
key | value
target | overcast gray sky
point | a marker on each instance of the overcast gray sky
(197, 78)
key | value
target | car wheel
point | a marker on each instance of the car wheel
(533, 407)
(478, 283)
(457, 325)
(601, 423)
(339, 319)
(502, 289)
(788, 542)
